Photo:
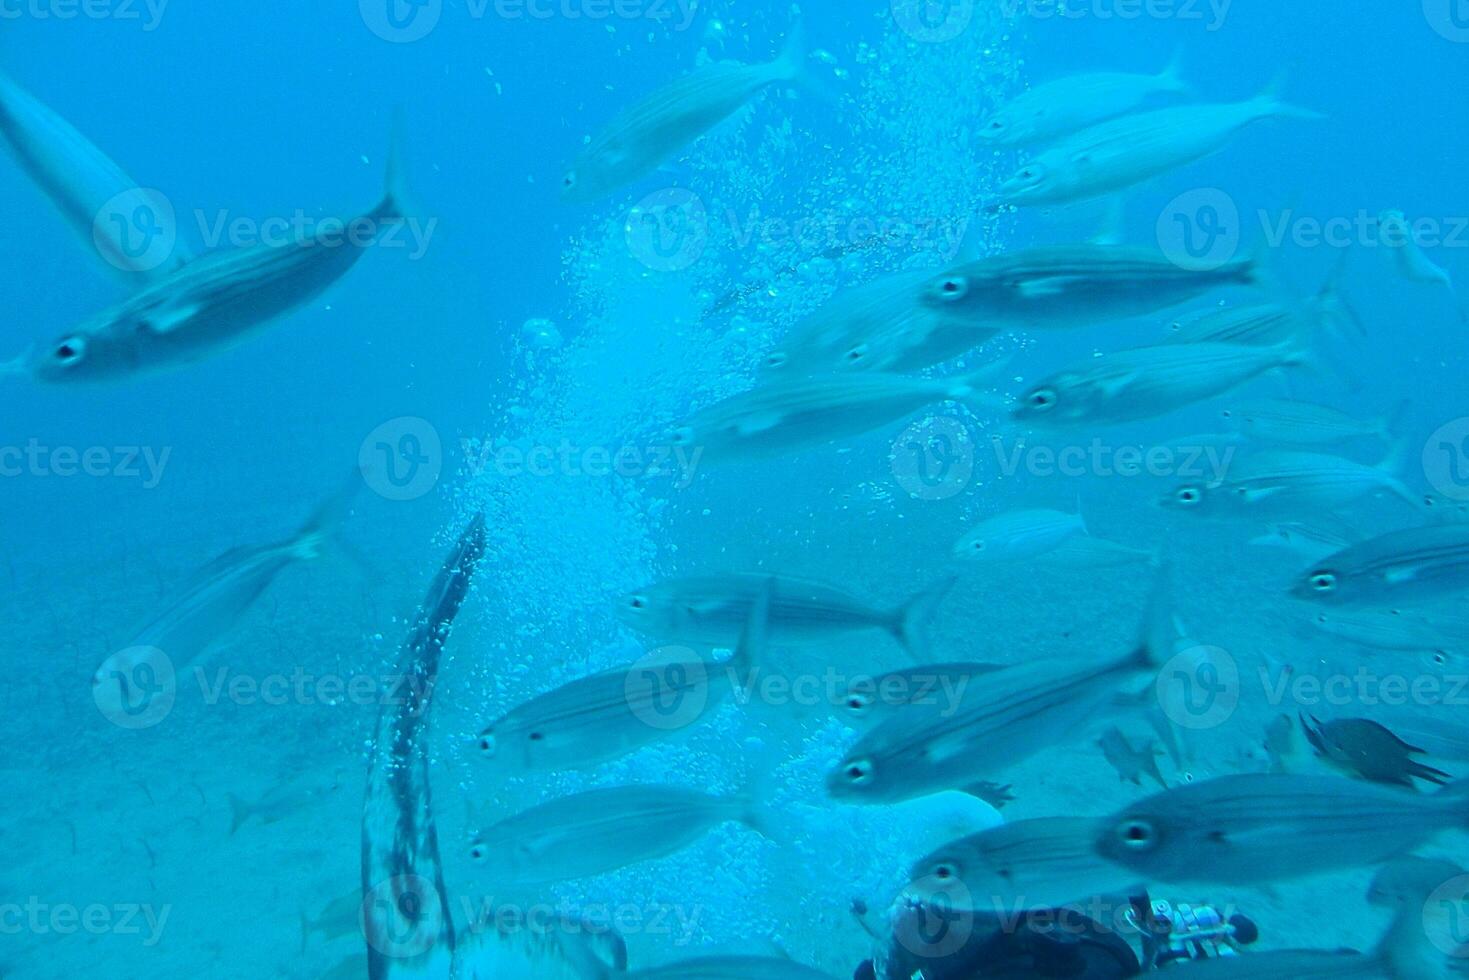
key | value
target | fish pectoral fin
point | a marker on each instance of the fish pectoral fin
(1253, 495)
(1117, 383)
(1045, 286)
(1397, 576)
(166, 321)
(755, 424)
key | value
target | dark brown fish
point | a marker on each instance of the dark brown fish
(1367, 749)
(1131, 762)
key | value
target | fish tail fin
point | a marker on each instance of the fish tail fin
(1331, 304)
(394, 205)
(976, 389)
(322, 526)
(18, 365)
(909, 624)
(749, 653)
(239, 812)
(305, 930)
(793, 65)
(1161, 630)
(1081, 516)
(1269, 104)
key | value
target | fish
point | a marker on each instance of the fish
(215, 301)
(1018, 535)
(1020, 866)
(1131, 763)
(613, 713)
(1056, 287)
(879, 326)
(712, 609)
(787, 416)
(647, 134)
(340, 917)
(1396, 569)
(406, 915)
(1364, 748)
(1127, 151)
(1094, 553)
(1300, 423)
(1412, 264)
(1015, 713)
(1270, 323)
(1248, 829)
(1068, 105)
(280, 802)
(602, 830)
(1276, 482)
(1304, 539)
(1146, 382)
(731, 968)
(202, 615)
(516, 944)
(80, 180)
(1388, 629)
(867, 700)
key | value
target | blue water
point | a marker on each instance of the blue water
(262, 110)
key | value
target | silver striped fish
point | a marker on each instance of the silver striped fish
(215, 301)
(1398, 568)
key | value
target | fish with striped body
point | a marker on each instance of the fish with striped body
(216, 301)
(647, 134)
(81, 181)
(1289, 482)
(1020, 866)
(999, 723)
(868, 700)
(1072, 285)
(1248, 829)
(611, 714)
(1121, 153)
(1302, 423)
(1019, 535)
(1147, 382)
(1067, 105)
(711, 610)
(602, 830)
(203, 614)
(788, 416)
(1391, 629)
(1399, 568)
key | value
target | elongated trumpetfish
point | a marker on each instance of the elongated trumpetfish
(405, 908)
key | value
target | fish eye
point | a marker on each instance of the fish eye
(638, 602)
(487, 743)
(537, 736)
(996, 125)
(778, 359)
(71, 350)
(1042, 399)
(1189, 495)
(856, 353)
(682, 436)
(955, 287)
(569, 180)
(1137, 835)
(1440, 658)
(478, 852)
(945, 871)
(858, 772)
(858, 702)
(978, 546)
(1323, 582)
